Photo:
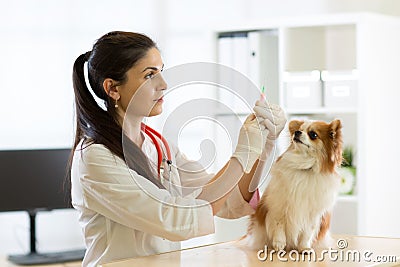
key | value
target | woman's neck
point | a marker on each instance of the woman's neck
(132, 128)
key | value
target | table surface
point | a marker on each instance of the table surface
(5, 263)
(234, 254)
(371, 251)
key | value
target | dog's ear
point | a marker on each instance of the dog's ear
(294, 125)
(335, 127)
(337, 141)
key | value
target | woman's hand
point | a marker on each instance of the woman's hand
(251, 142)
(271, 116)
(274, 120)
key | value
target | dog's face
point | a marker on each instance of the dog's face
(319, 139)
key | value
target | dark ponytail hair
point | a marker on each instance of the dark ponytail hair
(112, 56)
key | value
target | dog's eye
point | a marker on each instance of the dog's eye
(313, 135)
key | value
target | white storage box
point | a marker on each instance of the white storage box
(303, 89)
(340, 88)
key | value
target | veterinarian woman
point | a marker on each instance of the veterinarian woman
(126, 205)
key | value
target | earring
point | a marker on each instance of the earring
(116, 103)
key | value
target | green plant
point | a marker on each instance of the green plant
(347, 157)
(347, 172)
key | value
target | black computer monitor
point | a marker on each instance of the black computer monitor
(33, 181)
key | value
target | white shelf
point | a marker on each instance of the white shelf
(322, 111)
(301, 111)
(339, 42)
(347, 198)
(239, 114)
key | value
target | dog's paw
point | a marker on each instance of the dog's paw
(304, 246)
(304, 250)
(278, 245)
(324, 243)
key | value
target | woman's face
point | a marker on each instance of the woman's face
(144, 86)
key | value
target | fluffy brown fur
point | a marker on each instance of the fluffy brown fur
(294, 212)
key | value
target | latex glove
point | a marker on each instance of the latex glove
(272, 116)
(252, 137)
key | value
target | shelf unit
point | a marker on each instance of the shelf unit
(366, 42)
(350, 110)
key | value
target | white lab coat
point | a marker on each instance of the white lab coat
(121, 214)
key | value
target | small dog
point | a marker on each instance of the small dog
(294, 211)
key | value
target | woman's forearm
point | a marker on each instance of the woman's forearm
(250, 181)
(246, 179)
(218, 189)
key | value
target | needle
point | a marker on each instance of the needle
(262, 96)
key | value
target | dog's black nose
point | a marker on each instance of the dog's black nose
(297, 134)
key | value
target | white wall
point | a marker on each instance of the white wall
(39, 43)
(41, 39)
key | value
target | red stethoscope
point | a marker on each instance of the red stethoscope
(153, 134)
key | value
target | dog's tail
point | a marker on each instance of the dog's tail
(244, 241)
(250, 239)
